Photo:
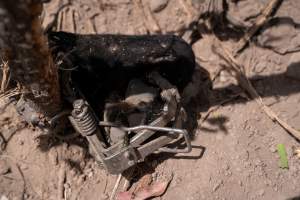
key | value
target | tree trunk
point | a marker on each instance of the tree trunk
(24, 46)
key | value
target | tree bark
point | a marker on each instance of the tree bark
(24, 46)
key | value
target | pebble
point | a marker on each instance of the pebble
(26, 196)
(224, 76)
(158, 5)
(273, 149)
(90, 174)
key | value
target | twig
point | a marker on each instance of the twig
(5, 76)
(10, 93)
(105, 185)
(126, 185)
(244, 82)
(114, 191)
(61, 181)
(260, 21)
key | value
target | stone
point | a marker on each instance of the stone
(158, 5)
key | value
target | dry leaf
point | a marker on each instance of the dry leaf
(154, 190)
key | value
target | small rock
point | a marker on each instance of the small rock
(273, 149)
(90, 174)
(26, 196)
(158, 5)
(224, 76)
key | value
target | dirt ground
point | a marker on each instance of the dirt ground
(235, 149)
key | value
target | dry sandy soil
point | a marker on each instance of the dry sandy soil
(234, 154)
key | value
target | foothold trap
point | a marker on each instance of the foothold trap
(125, 92)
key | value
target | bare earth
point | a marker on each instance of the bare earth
(234, 155)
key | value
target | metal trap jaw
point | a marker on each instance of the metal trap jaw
(163, 133)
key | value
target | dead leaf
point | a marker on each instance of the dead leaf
(154, 190)
(144, 182)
